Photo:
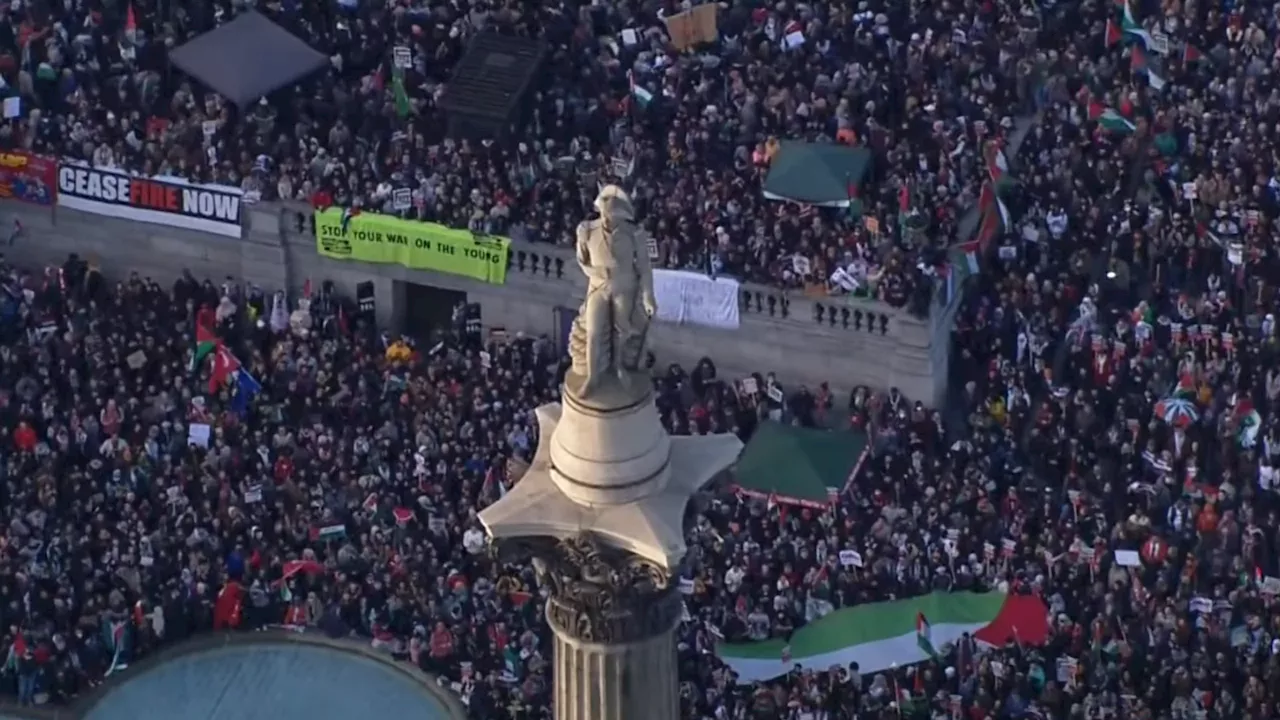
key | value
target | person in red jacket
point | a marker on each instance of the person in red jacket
(227, 608)
(24, 438)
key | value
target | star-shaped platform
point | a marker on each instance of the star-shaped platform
(651, 527)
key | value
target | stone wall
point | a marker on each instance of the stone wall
(779, 332)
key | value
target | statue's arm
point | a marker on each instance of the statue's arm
(644, 267)
(583, 249)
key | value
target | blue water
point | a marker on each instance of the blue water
(269, 682)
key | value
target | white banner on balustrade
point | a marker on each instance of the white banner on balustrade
(689, 298)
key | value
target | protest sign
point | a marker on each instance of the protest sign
(693, 27)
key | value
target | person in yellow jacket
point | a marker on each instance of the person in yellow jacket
(398, 352)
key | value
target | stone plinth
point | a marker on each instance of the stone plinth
(609, 457)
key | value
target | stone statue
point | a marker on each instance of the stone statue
(607, 342)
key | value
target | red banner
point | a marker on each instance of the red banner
(27, 177)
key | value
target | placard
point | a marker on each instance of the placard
(198, 435)
(1235, 254)
(693, 27)
(749, 386)
(253, 494)
(775, 393)
(401, 57)
(686, 586)
(401, 199)
(1128, 558)
(850, 558)
(486, 361)
(1159, 43)
(652, 244)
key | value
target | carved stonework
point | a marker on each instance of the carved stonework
(600, 594)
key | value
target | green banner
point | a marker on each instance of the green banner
(374, 238)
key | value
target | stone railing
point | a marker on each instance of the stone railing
(845, 341)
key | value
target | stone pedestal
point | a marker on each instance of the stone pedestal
(633, 680)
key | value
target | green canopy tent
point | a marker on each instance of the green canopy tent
(823, 174)
(799, 466)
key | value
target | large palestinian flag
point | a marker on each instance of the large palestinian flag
(881, 635)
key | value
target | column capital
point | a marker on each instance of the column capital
(599, 593)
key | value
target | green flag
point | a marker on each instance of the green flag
(403, 107)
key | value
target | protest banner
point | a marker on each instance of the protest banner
(374, 238)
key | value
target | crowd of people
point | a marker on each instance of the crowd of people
(1114, 353)
(923, 89)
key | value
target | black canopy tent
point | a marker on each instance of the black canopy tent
(247, 58)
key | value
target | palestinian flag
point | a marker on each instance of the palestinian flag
(924, 636)
(225, 365)
(994, 216)
(988, 228)
(1132, 29)
(1138, 60)
(998, 167)
(880, 636)
(1115, 122)
(206, 341)
(638, 91)
(1114, 34)
(1186, 387)
(968, 255)
(1191, 54)
(1248, 422)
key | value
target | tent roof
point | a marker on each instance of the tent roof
(816, 173)
(247, 58)
(799, 465)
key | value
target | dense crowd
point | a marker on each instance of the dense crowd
(98, 88)
(1114, 355)
(149, 495)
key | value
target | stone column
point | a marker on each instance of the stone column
(614, 615)
(633, 680)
